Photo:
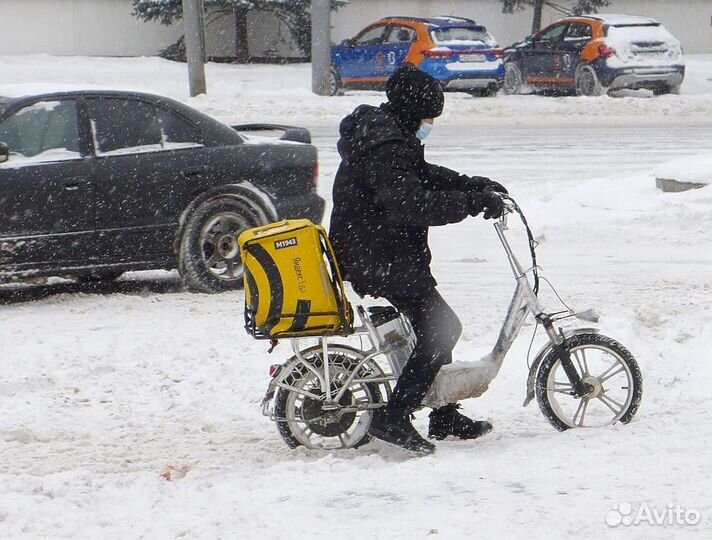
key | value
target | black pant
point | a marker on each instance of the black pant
(437, 330)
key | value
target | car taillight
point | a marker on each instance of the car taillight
(315, 174)
(605, 51)
(437, 53)
(497, 53)
(274, 369)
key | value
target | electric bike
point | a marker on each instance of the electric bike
(324, 395)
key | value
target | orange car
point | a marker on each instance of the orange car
(592, 54)
(458, 52)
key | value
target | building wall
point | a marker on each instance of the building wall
(107, 28)
(79, 27)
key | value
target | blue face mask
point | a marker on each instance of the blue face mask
(424, 130)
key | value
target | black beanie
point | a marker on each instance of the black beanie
(414, 95)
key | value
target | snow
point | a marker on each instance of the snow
(644, 45)
(697, 169)
(105, 389)
(55, 154)
(618, 19)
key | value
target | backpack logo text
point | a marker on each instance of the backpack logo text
(287, 242)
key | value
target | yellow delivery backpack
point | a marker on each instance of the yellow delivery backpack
(292, 282)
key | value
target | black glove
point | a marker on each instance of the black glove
(489, 201)
(495, 186)
(482, 183)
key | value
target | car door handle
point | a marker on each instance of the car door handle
(194, 171)
(75, 185)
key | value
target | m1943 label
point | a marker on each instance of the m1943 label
(287, 242)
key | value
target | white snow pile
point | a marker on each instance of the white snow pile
(132, 411)
(694, 169)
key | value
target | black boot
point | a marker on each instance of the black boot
(393, 426)
(447, 421)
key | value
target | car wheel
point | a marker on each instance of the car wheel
(512, 78)
(484, 92)
(209, 259)
(675, 89)
(586, 82)
(335, 87)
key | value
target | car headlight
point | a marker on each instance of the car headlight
(675, 51)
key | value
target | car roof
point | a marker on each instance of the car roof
(618, 19)
(434, 21)
(18, 95)
(22, 91)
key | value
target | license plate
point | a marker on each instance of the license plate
(472, 58)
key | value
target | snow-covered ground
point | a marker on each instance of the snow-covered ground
(103, 391)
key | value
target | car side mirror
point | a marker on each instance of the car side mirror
(4, 152)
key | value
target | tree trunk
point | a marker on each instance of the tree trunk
(242, 53)
(536, 22)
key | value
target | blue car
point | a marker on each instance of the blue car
(458, 52)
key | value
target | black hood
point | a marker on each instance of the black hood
(366, 128)
(414, 95)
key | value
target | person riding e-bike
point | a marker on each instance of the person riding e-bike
(386, 196)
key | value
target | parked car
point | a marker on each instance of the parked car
(95, 183)
(592, 54)
(458, 52)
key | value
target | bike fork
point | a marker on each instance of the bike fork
(562, 350)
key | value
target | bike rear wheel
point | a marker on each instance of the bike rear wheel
(610, 371)
(303, 415)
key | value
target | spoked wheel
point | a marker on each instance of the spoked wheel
(220, 250)
(305, 417)
(209, 258)
(611, 373)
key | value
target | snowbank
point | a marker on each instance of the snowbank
(695, 169)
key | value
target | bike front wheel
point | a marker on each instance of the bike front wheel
(608, 369)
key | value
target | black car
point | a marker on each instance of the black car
(96, 183)
(592, 54)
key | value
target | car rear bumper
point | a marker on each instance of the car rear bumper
(307, 205)
(466, 75)
(466, 82)
(642, 76)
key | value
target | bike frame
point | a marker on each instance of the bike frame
(524, 301)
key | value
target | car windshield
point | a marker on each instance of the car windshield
(4, 101)
(460, 35)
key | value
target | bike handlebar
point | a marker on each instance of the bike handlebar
(511, 207)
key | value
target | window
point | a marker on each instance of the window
(129, 126)
(401, 34)
(370, 37)
(578, 31)
(463, 34)
(554, 33)
(44, 131)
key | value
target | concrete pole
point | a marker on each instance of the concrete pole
(321, 46)
(536, 20)
(194, 28)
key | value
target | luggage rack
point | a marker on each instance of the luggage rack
(346, 327)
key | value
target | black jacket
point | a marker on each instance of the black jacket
(386, 196)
